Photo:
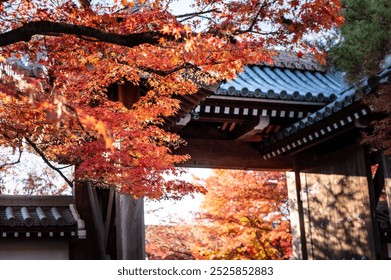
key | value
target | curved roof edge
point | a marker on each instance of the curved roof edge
(346, 99)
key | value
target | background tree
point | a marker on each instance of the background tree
(363, 50)
(244, 216)
(66, 114)
(36, 183)
(26, 174)
(171, 241)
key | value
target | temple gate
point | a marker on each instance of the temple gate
(293, 116)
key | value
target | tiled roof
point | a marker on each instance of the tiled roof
(284, 83)
(38, 214)
(35, 216)
(345, 99)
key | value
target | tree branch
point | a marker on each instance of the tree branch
(43, 156)
(164, 73)
(12, 163)
(196, 14)
(25, 33)
(254, 21)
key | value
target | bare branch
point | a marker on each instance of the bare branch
(46, 160)
(12, 163)
(254, 21)
(196, 14)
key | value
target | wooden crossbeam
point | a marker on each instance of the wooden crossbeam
(213, 153)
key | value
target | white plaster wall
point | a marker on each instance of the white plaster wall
(34, 250)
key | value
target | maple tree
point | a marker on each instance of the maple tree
(243, 216)
(79, 49)
(171, 242)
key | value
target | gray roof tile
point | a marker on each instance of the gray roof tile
(284, 83)
(35, 211)
(13, 216)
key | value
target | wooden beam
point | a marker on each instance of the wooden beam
(373, 201)
(85, 249)
(263, 103)
(230, 154)
(28, 200)
(304, 212)
(247, 131)
(310, 159)
(221, 117)
(379, 182)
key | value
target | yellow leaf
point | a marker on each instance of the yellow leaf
(166, 29)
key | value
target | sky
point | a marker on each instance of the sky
(176, 211)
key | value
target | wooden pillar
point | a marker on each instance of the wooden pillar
(340, 210)
(128, 94)
(130, 228)
(296, 214)
(97, 216)
(386, 161)
(85, 249)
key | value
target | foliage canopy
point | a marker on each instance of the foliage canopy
(65, 114)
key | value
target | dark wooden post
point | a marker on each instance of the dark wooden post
(85, 249)
(296, 214)
(128, 94)
(387, 180)
(130, 228)
(386, 163)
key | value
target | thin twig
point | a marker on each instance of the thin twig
(12, 163)
(195, 14)
(46, 160)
